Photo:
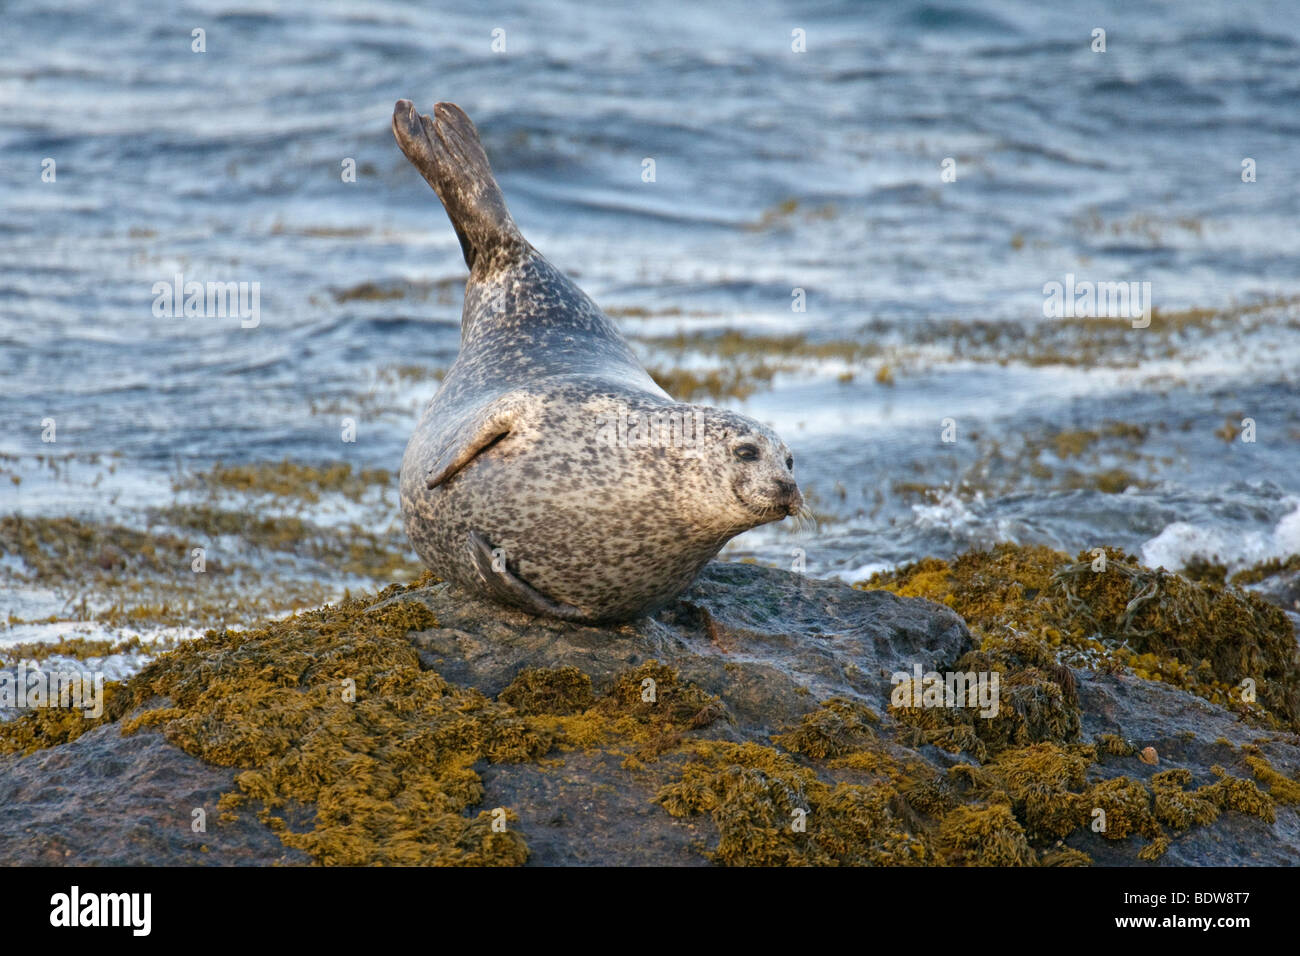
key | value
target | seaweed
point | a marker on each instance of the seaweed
(559, 691)
(838, 727)
(1105, 609)
(984, 835)
(331, 710)
(769, 810)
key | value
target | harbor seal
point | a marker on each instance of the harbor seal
(550, 472)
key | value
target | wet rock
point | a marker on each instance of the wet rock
(769, 643)
(109, 800)
(799, 674)
(1189, 733)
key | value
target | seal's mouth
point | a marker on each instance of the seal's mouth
(788, 498)
(786, 501)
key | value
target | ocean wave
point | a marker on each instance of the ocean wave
(1180, 542)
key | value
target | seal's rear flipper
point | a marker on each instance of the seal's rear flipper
(508, 588)
(447, 152)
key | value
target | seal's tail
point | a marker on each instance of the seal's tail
(447, 152)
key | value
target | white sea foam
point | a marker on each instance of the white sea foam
(114, 666)
(1179, 542)
(950, 512)
(861, 573)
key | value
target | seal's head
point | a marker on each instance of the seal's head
(751, 469)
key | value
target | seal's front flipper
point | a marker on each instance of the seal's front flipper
(483, 429)
(509, 588)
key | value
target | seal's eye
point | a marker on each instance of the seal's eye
(747, 452)
(789, 462)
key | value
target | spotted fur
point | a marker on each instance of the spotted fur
(521, 483)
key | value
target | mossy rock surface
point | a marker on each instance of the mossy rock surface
(751, 723)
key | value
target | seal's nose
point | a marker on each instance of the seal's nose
(787, 495)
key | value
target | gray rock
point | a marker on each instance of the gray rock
(771, 645)
(109, 800)
(1184, 729)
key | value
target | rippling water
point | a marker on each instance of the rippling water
(774, 170)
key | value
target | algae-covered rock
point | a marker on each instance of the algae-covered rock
(109, 800)
(757, 721)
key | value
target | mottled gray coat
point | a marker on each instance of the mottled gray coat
(538, 475)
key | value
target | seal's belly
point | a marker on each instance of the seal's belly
(577, 522)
